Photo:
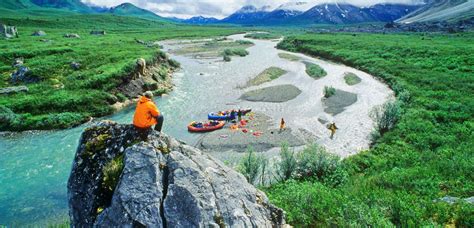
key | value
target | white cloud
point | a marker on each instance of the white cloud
(222, 8)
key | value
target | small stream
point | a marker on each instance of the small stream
(34, 166)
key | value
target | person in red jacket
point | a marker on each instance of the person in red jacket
(147, 114)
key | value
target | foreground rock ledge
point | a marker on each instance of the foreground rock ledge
(164, 183)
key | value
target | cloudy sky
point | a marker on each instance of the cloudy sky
(220, 8)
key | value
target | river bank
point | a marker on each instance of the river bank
(307, 109)
(34, 165)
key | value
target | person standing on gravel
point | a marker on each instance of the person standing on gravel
(332, 127)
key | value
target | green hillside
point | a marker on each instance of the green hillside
(128, 9)
(17, 8)
(16, 4)
(73, 5)
(65, 97)
(428, 155)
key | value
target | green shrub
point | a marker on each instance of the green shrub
(7, 118)
(173, 63)
(262, 36)
(351, 79)
(251, 165)
(289, 57)
(235, 52)
(267, 75)
(244, 42)
(227, 58)
(386, 116)
(314, 162)
(311, 204)
(286, 167)
(315, 71)
(121, 97)
(329, 91)
(112, 172)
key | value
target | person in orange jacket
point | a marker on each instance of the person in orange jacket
(147, 114)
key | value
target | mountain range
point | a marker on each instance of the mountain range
(125, 9)
(305, 13)
(292, 13)
(441, 10)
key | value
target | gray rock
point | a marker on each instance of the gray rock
(449, 199)
(23, 74)
(12, 90)
(8, 31)
(75, 65)
(18, 62)
(71, 35)
(164, 183)
(453, 200)
(470, 200)
(39, 33)
(98, 33)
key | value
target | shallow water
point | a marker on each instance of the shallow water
(34, 167)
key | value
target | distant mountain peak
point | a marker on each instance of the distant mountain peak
(300, 6)
(254, 9)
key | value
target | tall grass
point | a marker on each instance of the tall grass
(423, 155)
(65, 97)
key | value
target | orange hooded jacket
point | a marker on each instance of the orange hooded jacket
(146, 113)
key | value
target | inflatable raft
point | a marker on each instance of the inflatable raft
(226, 115)
(205, 127)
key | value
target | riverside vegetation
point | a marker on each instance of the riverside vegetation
(64, 96)
(427, 155)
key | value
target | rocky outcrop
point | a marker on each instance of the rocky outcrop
(13, 90)
(75, 65)
(154, 75)
(8, 31)
(164, 183)
(141, 66)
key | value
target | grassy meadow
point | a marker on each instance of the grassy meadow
(426, 156)
(65, 97)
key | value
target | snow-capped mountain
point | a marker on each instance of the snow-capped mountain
(346, 13)
(302, 13)
(200, 20)
(441, 10)
(247, 15)
(296, 6)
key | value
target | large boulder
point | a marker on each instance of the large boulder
(8, 31)
(141, 66)
(164, 183)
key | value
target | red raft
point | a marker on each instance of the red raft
(205, 127)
